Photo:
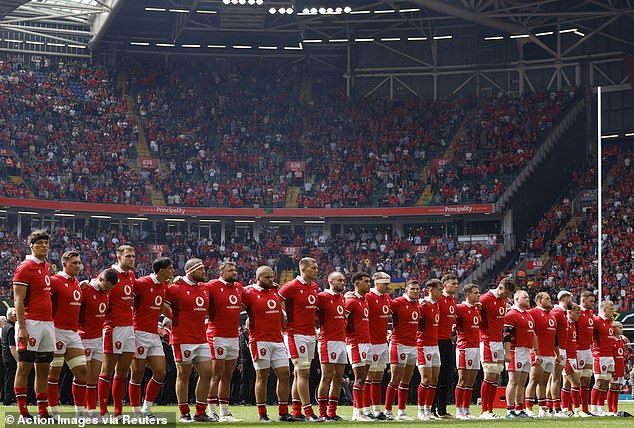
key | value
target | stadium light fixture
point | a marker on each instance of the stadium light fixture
(270, 48)
(251, 2)
(338, 40)
(412, 39)
(605, 137)
(63, 215)
(569, 30)
(209, 220)
(174, 219)
(242, 2)
(210, 12)
(226, 1)
(494, 38)
(281, 11)
(28, 212)
(289, 10)
(259, 2)
(155, 9)
(443, 37)
(545, 33)
(190, 46)
(409, 10)
(179, 10)
(55, 44)
(14, 41)
(244, 221)
(165, 45)
(140, 43)
(314, 221)
(519, 36)
(242, 47)
(3, 211)
(272, 11)
(363, 40)
(279, 221)
(216, 46)
(384, 11)
(101, 217)
(138, 218)
(77, 46)
(390, 39)
(630, 134)
(313, 41)
(347, 9)
(29, 42)
(359, 12)
(579, 33)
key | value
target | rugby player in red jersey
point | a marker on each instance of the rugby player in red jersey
(149, 303)
(332, 345)
(92, 316)
(118, 334)
(358, 341)
(559, 312)
(519, 339)
(493, 309)
(300, 302)
(67, 297)
(571, 391)
(189, 300)
(618, 377)
(468, 321)
(379, 302)
(34, 328)
(603, 356)
(585, 333)
(223, 330)
(543, 364)
(447, 310)
(428, 352)
(266, 345)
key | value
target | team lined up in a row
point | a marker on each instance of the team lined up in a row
(97, 327)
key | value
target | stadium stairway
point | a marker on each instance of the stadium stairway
(291, 197)
(306, 91)
(18, 181)
(286, 275)
(427, 193)
(142, 147)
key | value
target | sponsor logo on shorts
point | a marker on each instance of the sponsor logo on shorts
(403, 356)
(333, 355)
(375, 357)
(364, 355)
(220, 351)
(302, 349)
(59, 345)
(140, 350)
(263, 352)
(470, 363)
(88, 351)
(187, 353)
(32, 340)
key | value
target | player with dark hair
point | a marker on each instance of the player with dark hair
(34, 328)
(332, 345)
(67, 297)
(428, 352)
(223, 331)
(571, 387)
(493, 309)
(300, 302)
(118, 334)
(559, 313)
(618, 377)
(189, 300)
(447, 310)
(358, 341)
(585, 330)
(149, 303)
(468, 321)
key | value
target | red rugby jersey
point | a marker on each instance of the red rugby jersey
(225, 305)
(120, 306)
(189, 302)
(379, 307)
(428, 325)
(149, 295)
(493, 310)
(331, 313)
(447, 310)
(265, 314)
(523, 327)
(468, 321)
(405, 318)
(66, 298)
(358, 322)
(300, 299)
(545, 330)
(33, 274)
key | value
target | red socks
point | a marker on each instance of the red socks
(262, 409)
(460, 392)
(134, 393)
(332, 406)
(308, 410)
(585, 398)
(79, 393)
(91, 397)
(200, 408)
(184, 408)
(282, 407)
(422, 392)
(357, 395)
(42, 404)
(323, 406)
(53, 392)
(431, 393)
(118, 391)
(296, 406)
(375, 392)
(565, 399)
(575, 395)
(403, 394)
(152, 390)
(103, 391)
(613, 400)
(390, 395)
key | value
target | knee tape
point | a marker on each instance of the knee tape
(301, 363)
(378, 367)
(43, 357)
(603, 376)
(58, 361)
(77, 361)
(26, 356)
(585, 373)
(493, 368)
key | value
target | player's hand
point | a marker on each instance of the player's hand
(423, 301)
(23, 335)
(348, 295)
(84, 284)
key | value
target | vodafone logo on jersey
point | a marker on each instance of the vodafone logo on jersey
(102, 307)
(530, 324)
(340, 309)
(386, 309)
(590, 321)
(574, 334)
(47, 281)
(233, 299)
(502, 310)
(366, 312)
(272, 304)
(200, 301)
(476, 320)
(127, 290)
(415, 315)
(620, 351)
(158, 300)
(551, 322)
(611, 331)
(452, 309)
(311, 299)
(76, 295)
(437, 318)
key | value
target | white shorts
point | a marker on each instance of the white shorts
(492, 352)
(332, 352)
(571, 366)
(603, 365)
(117, 340)
(94, 349)
(41, 336)
(268, 355)
(403, 355)
(520, 360)
(618, 380)
(65, 339)
(186, 353)
(468, 359)
(584, 358)
(563, 357)
(359, 354)
(379, 354)
(429, 356)
(547, 364)
(300, 346)
(224, 348)
(147, 345)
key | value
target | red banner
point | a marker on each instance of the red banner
(146, 163)
(295, 166)
(535, 264)
(158, 248)
(73, 207)
(438, 163)
(420, 249)
(5, 152)
(291, 251)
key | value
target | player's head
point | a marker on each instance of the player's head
(450, 283)
(522, 300)
(126, 257)
(618, 328)
(11, 316)
(542, 300)
(506, 288)
(434, 289)
(107, 280)
(607, 309)
(574, 312)
(381, 282)
(228, 271)
(163, 269)
(587, 300)
(471, 293)
(337, 282)
(38, 242)
(308, 268)
(361, 282)
(264, 276)
(195, 270)
(564, 297)
(412, 289)
(71, 263)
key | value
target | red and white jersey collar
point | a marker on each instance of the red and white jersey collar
(34, 259)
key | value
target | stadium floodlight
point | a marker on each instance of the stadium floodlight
(174, 219)
(217, 46)
(443, 37)
(244, 221)
(101, 217)
(384, 11)
(579, 33)
(329, 10)
(242, 47)
(272, 11)
(306, 11)
(251, 2)
(165, 45)
(569, 30)
(226, 1)
(314, 221)
(55, 44)
(347, 9)
(313, 40)
(338, 10)
(30, 42)
(413, 39)
(289, 10)
(28, 212)
(242, 1)
(63, 215)
(545, 33)
(605, 137)
(190, 46)
(207, 11)
(14, 41)
(322, 10)
(279, 221)
(137, 218)
(259, 2)
(520, 36)
(363, 40)
(390, 39)
(234, 1)
(409, 10)
(209, 220)
(270, 48)
(313, 11)
(77, 46)
(494, 38)
(155, 9)
(140, 43)
(179, 10)
(281, 11)
(630, 134)
(338, 40)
